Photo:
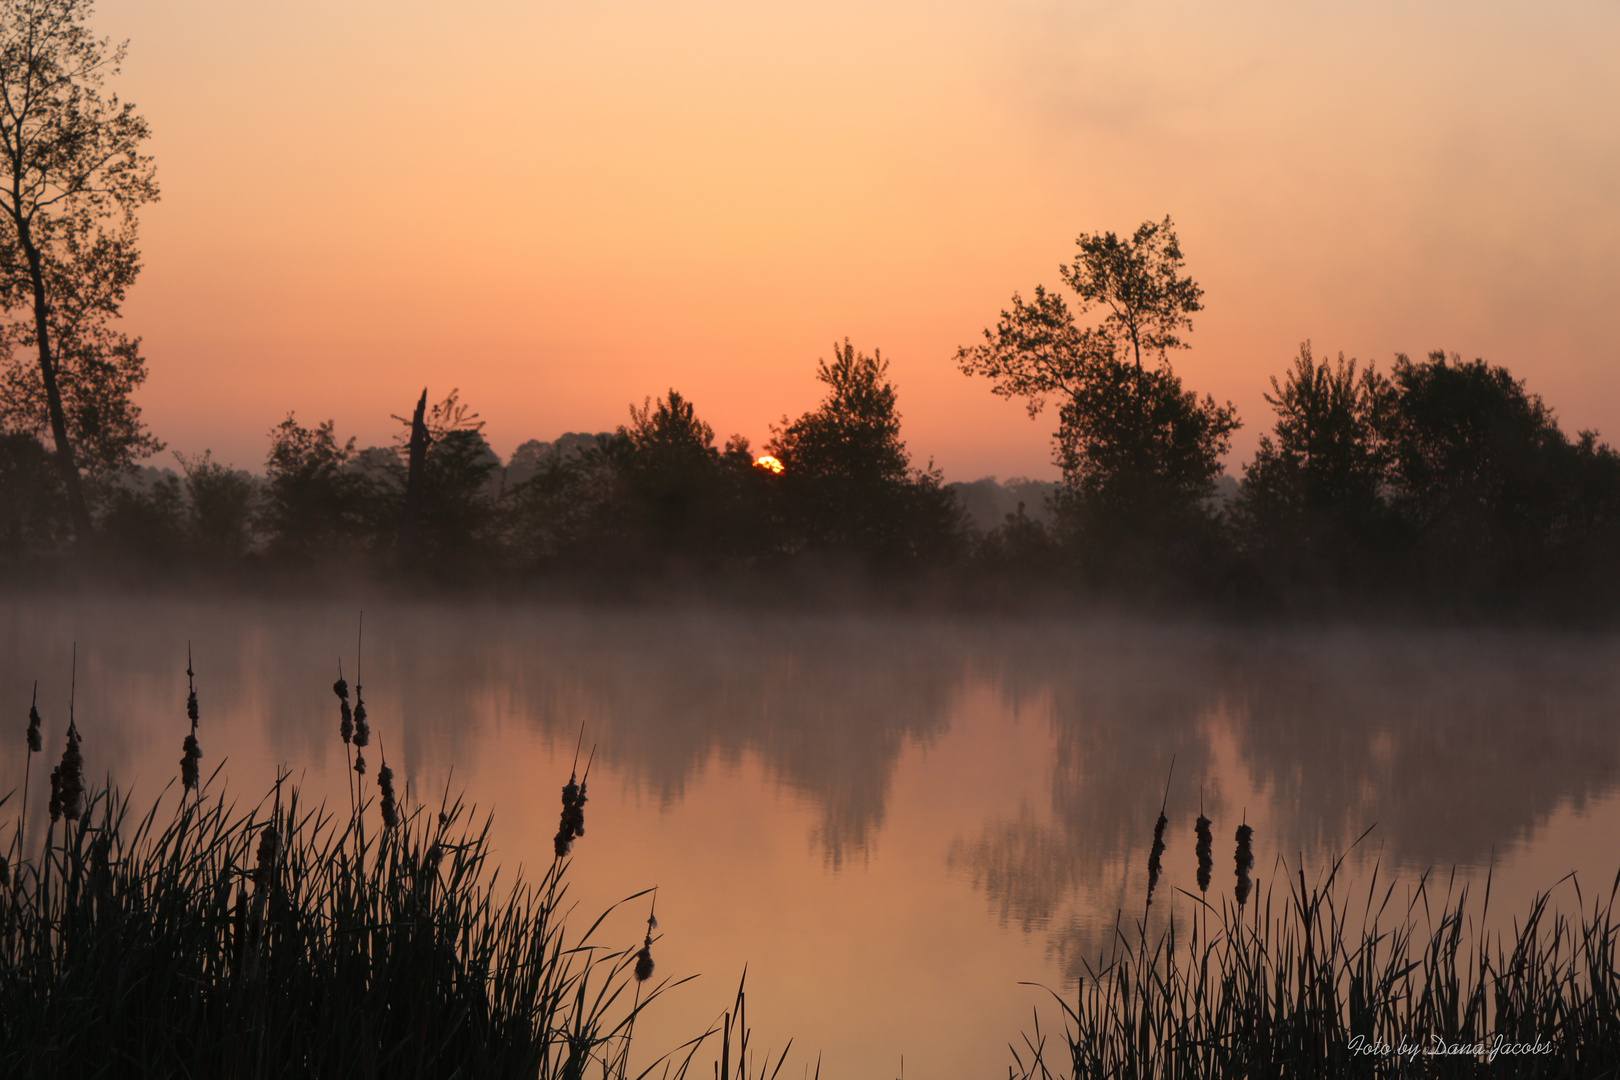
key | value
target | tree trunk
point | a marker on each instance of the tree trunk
(77, 507)
(415, 477)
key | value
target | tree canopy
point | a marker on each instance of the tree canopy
(1139, 452)
(72, 177)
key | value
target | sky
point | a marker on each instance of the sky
(561, 209)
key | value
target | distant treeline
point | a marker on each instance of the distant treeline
(1439, 483)
(1436, 486)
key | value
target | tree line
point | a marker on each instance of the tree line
(1432, 481)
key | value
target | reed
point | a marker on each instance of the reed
(195, 940)
(1333, 981)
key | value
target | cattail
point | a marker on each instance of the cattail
(565, 829)
(1206, 857)
(192, 751)
(269, 846)
(56, 795)
(5, 872)
(346, 723)
(72, 767)
(1156, 854)
(35, 745)
(188, 763)
(239, 928)
(644, 960)
(389, 808)
(362, 730)
(1245, 863)
(359, 761)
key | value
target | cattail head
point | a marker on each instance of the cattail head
(1206, 858)
(1156, 855)
(341, 688)
(359, 762)
(644, 960)
(34, 743)
(362, 730)
(72, 789)
(346, 724)
(1245, 863)
(191, 690)
(572, 822)
(56, 795)
(435, 854)
(188, 763)
(269, 847)
(390, 808)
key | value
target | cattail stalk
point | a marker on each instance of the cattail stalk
(385, 784)
(1245, 863)
(644, 960)
(1156, 855)
(572, 823)
(189, 776)
(35, 745)
(1206, 857)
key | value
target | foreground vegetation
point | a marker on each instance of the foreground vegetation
(1331, 981)
(193, 940)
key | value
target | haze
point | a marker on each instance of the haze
(563, 208)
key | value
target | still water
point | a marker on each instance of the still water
(893, 822)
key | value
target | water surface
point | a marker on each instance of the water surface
(892, 821)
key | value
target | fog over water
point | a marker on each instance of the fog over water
(892, 820)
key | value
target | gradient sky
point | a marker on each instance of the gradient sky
(563, 208)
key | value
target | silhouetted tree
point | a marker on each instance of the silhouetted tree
(1139, 453)
(221, 504)
(847, 481)
(1482, 476)
(314, 505)
(71, 179)
(446, 502)
(33, 509)
(1311, 506)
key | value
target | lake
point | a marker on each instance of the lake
(893, 821)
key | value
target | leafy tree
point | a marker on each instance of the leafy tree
(1480, 473)
(1139, 453)
(221, 502)
(71, 179)
(1311, 503)
(314, 504)
(847, 479)
(33, 509)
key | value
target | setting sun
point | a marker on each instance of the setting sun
(769, 464)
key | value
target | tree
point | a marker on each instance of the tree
(1138, 451)
(848, 478)
(314, 503)
(1480, 473)
(71, 179)
(1311, 502)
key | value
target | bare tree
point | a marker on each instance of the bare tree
(71, 179)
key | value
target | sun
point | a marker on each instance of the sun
(769, 464)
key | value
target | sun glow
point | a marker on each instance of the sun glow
(769, 464)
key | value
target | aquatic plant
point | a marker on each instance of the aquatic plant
(1302, 988)
(200, 940)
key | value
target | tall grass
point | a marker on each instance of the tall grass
(194, 940)
(1331, 981)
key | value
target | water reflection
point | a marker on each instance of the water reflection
(993, 782)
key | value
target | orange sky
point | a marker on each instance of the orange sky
(562, 208)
